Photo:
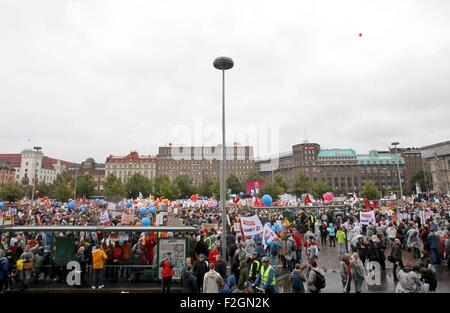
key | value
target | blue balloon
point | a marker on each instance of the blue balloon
(152, 210)
(83, 208)
(145, 221)
(267, 200)
(143, 211)
(71, 205)
(2, 205)
(241, 193)
(129, 204)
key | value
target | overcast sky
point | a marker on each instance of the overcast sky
(93, 78)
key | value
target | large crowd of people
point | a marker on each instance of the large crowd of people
(410, 234)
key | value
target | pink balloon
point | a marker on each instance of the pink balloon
(328, 196)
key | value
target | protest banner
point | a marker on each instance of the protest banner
(251, 225)
(210, 226)
(7, 220)
(178, 249)
(365, 218)
(127, 218)
(173, 221)
(268, 236)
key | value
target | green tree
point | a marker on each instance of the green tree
(184, 186)
(44, 189)
(233, 183)
(63, 187)
(158, 183)
(85, 185)
(319, 188)
(302, 184)
(370, 191)
(273, 189)
(138, 183)
(279, 179)
(422, 178)
(114, 189)
(207, 187)
(216, 188)
(254, 175)
(12, 192)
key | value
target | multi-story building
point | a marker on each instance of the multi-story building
(124, 167)
(7, 172)
(413, 164)
(200, 162)
(343, 169)
(29, 162)
(95, 170)
(436, 159)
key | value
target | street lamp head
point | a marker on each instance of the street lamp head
(37, 148)
(223, 63)
(395, 143)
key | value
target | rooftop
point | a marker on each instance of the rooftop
(334, 153)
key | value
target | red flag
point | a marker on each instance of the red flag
(307, 200)
(367, 203)
(375, 204)
(194, 198)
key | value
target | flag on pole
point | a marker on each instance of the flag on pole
(355, 199)
(269, 236)
(307, 200)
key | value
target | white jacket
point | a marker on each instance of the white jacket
(209, 282)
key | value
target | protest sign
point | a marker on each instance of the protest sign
(269, 235)
(127, 218)
(251, 225)
(173, 221)
(178, 250)
(365, 218)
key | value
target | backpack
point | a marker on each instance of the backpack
(297, 283)
(319, 282)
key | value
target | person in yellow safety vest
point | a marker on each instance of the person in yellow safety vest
(266, 277)
(312, 221)
(255, 266)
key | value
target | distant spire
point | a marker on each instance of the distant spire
(304, 135)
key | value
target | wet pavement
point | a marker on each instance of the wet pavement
(329, 262)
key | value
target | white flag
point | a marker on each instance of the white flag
(268, 236)
(251, 225)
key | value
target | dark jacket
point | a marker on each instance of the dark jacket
(4, 267)
(200, 269)
(221, 268)
(202, 248)
(189, 283)
(396, 252)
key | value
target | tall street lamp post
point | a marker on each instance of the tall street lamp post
(35, 171)
(223, 64)
(395, 144)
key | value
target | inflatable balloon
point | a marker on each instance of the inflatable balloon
(97, 200)
(152, 210)
(241, 193)
(328, 196)
(165, 201)
(129, 204)
(1, 205)
(83, 208)
(140, 205)
(145, 221)
(142, 211)
(71, 205)
(267, 200)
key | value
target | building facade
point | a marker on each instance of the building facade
(343, 169)
(200, 162)
(7, 172)
(124, 167)
(436, 159)
(95, 170)
(29, 162)
(413, 164)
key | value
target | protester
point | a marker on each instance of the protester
(167, 272)
(358, 272)
(209, 280)
(346, 273)
(98, 263)
(189, 281)
(296, 279)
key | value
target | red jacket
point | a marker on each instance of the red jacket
(167, 269)
(212, 256)
(117, 253)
